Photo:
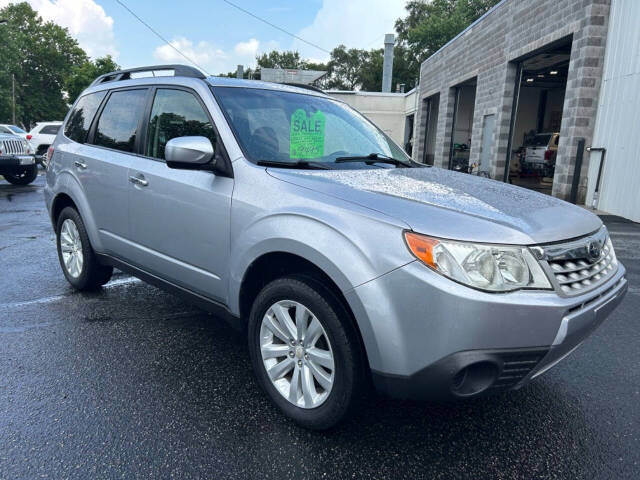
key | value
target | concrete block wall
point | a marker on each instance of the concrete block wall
(489, 51)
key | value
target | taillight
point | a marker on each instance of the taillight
(49, 153)
(548, 154)
(29, 137)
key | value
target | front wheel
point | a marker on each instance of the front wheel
(305, 352)
(77, 258)
(22, 177)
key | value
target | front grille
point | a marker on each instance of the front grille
(516, 367)
(580, 273)
(12, 147)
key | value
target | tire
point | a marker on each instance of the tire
(339, 337)
(89, 274)
(25, 177)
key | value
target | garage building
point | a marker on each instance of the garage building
(542, 94)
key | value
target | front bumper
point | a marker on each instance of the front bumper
(13, 162)
(429, 338)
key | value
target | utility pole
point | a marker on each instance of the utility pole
(13, 95)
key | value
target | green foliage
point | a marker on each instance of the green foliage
(247, 74)
(46, 61)
(276, 59)
(431, 24)
(345, 67)
(83, 74)
(41, 55)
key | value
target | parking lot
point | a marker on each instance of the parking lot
(133, 382)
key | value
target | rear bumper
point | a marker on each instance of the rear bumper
(428, 338)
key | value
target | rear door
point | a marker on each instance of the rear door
(179, 220)
(103, 165)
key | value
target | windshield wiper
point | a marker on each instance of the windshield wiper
(373, 158)
(296, 164)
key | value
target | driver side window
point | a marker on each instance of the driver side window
(176, 113)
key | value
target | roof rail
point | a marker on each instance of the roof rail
(305, 86)
(178, 71)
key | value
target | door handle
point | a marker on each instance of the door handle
(138, 181)
(80, 165)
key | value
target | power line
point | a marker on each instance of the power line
(275, 26)
(379, 37)
(160, 36)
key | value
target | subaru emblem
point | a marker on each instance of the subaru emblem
(594, 250)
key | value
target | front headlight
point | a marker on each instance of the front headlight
(495, 268)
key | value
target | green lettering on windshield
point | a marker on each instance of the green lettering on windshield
(306, 138)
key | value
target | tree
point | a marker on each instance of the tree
(41, 55)
(82, 75)
(247, 74)
(431, 24)
(370, 70)
(276, 59)
(344, 68)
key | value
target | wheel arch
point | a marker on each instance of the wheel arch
(277, 264)
(60, 201)
(69, 192)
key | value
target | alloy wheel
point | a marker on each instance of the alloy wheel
(297, 354)
(71, 248)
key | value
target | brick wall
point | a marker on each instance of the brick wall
(488, 51)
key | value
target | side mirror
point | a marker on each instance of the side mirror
(189, 153)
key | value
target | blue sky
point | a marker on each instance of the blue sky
(216, 35)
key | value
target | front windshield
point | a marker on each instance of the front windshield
(276, 126)
(16, 129)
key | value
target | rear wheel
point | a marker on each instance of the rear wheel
(22, 177)
(305, 352)
(77, 259)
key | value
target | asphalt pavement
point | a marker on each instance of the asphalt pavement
(132, 382)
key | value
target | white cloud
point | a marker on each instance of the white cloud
(248, 48)
(356, 24)
(214, 60)
(211, 58)
(85, 19)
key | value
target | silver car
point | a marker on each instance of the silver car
(289, 213)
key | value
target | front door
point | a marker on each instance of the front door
(179, 220)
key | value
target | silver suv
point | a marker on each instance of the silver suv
(290, 213)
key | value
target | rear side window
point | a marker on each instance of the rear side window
(118, 123)
(77, 126)
(176, 113)
(50, 130)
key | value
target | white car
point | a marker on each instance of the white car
(542, 148)
(540, 153)
(13, 130)
(42, 136)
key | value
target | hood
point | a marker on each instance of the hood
(452, 205)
